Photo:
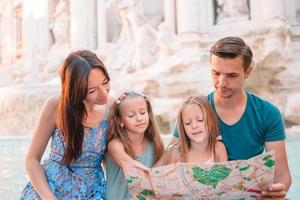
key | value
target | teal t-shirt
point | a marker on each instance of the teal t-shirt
(116, 184)
(261, 122)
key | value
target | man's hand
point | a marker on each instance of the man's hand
(275, 191)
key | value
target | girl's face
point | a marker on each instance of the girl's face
(98, 88)
(134, 115)
(194, 123)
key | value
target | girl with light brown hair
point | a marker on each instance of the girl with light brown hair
(198, 135)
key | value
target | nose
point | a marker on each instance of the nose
(103, 91)
(194, 124)
(222, 82)
(139, 117)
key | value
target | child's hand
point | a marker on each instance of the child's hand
(134, 167)
(275, 191)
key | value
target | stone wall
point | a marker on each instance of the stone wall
(156, 47)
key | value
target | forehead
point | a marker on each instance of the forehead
(96, 76)
(191, 110)
(226, 65)
(133, 103)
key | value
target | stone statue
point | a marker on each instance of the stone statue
(137, 39)
(227, 9)
(60, 25)
(167, 41)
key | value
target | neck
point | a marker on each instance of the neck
(89, 107)
(199, 146)
(237, 99)
(136, 139)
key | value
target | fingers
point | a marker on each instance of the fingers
(277, 187)
(273, 194)
(275, 191)
(269, 198)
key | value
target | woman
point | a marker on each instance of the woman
(76, 122)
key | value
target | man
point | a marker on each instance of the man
(248, 124)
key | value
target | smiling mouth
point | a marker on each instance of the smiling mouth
(197, 133)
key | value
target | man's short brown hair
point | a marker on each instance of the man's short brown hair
(231, 47)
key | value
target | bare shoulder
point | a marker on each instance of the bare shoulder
(221, 153)
(52, 102)
(49, 109)
(116, 141)
(219, 146)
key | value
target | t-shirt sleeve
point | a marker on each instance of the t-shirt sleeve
(274, 125)
(175, 131)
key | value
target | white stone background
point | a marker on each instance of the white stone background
(158, 47)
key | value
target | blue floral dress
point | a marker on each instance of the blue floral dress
(84, 179)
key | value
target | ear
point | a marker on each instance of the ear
(122, 124)
(248, 71)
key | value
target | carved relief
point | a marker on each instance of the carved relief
(229, 10)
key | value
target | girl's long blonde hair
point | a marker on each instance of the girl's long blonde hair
(116, 131)
(178, 152)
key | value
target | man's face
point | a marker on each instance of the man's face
(228, 75)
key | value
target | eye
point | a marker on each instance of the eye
(187, 123)
(215, 73)
(91, 91)
(143, 112)
(232, 75)
(105, 82)
(200, 120)
(131, 115)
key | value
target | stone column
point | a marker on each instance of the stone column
(206, 16)
(8, 50)
(188, 16)
(101, 23)
(189, 25)
(35, 27)
(291, 7)
(170, 14)
(266, 9)
(83, 24)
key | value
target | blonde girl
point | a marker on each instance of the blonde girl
(132, 125)
(198, 135)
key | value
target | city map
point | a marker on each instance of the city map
(239, 179)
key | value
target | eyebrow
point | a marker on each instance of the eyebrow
(230, 73)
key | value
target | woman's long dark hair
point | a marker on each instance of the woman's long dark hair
(74, 73)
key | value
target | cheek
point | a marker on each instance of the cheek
(186, 128)
(89, 97)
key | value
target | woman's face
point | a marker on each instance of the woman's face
(98, 88)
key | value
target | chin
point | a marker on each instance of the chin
(225, 96)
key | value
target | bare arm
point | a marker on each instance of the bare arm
(117, 152)
(39, 141)
(282, 178)
(220, 152)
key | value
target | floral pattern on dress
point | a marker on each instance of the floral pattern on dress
(84, 178)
